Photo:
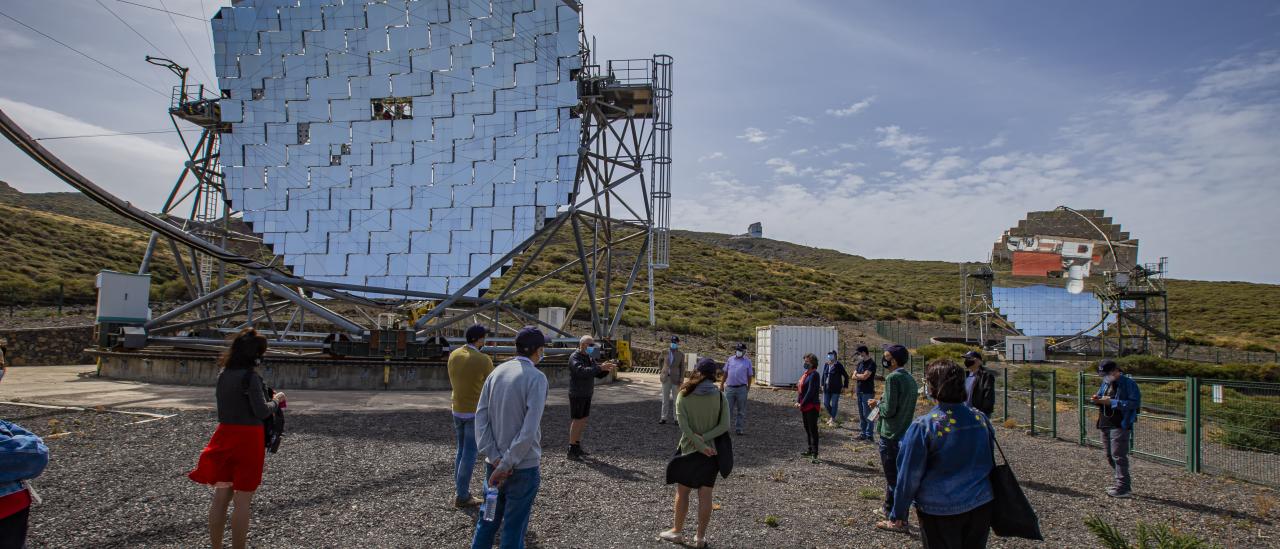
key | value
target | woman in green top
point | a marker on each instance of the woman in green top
(703, 414)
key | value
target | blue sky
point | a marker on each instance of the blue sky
(888, 129)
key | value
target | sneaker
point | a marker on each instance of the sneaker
(1115, 493)
(575, 453)
(471, 501)
(671, 536)
(698, 542)
(662, 422)
(807, 455)
(739, 432)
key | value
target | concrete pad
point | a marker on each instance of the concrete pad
(79, 386)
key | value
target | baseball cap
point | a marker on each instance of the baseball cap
(740, 347)
(675, 339)
(706, 366)
(973, 354)
(1107, 365)
(898, 352)
(476, 332)
(530, 339)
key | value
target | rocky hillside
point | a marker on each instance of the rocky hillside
(718, 285)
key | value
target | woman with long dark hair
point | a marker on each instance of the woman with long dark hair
(808, 393)
(944, 465)
(232, 461)
(703, 414)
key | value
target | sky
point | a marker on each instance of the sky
(916, 130)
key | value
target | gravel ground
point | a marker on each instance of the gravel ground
(384, 480)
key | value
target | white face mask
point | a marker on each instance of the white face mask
(738, 354)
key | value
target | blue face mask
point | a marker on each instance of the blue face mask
(675, 346)
(831, 358)
(593, 351)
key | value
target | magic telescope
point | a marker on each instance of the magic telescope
(403, 152)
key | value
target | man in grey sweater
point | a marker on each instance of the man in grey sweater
(509, 435)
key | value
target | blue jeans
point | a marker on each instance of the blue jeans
(889, 462)
(865, 426)
(515, 504)
(737, 397)
(465, 461)
(831, 401)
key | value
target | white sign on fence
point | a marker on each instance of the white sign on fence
(1217, 394)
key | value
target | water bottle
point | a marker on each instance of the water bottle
(490, 503)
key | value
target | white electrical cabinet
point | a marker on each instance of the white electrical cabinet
(123, 297)
(780, 351)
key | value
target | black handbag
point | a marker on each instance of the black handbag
(724, 448)
(1011, 512)
(272, 426)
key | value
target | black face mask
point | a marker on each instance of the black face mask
(884, 362)
(969, 362)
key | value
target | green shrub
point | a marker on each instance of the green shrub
(1155, 366)
(943, 350)
(1158, 536)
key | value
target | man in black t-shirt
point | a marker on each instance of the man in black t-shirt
(865, 378)
(584, 369)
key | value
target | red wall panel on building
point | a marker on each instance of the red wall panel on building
(1036, 263)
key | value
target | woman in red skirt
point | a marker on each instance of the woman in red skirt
(232, 462)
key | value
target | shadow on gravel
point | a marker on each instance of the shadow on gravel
(1060, 490)
(615, 472)
(1207, 509)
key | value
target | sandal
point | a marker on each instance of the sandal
(892, 526)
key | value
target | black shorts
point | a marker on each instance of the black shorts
(579, 407)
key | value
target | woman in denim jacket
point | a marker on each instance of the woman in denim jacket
(23, 456)
(944, 461)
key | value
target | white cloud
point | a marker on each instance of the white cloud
(781, 166)
(784, 167)
(894, 139)
(717, 155)
(1239, 74)
(996, 142)
(1184, 173)
(11, 40)
(797, 119)
(754, 135)
(917, 163)
(129, 166)
(799, 152)
(852, 109)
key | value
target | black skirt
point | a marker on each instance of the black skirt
(694, 470)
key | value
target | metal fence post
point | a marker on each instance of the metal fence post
(1193, 424)
(1006, 393)
(1053, 403)
(60, 294)
(1032, 378)
(1080, 405)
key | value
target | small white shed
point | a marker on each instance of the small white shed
(780, 351)
(1024, 348)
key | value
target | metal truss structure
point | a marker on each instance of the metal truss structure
(617, 221)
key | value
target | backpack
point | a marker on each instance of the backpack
(273, 426)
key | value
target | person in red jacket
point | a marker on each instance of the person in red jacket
(808, 395)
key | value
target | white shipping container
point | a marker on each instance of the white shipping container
(780, 351)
